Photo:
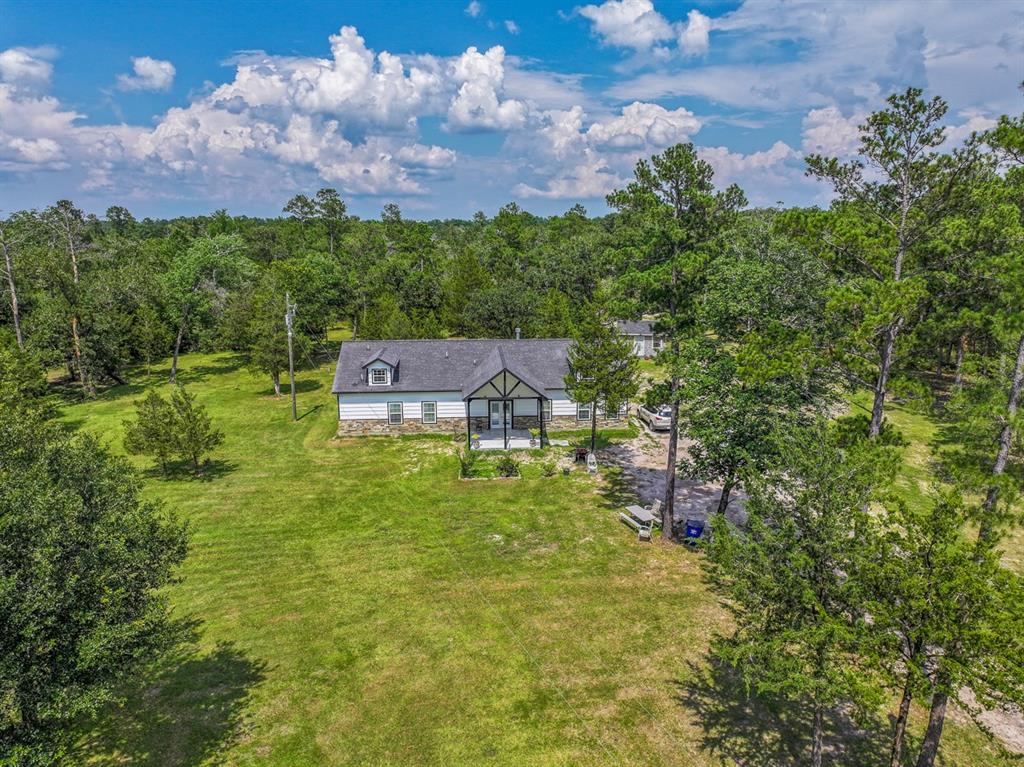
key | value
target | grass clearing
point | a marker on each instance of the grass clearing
(352, 602)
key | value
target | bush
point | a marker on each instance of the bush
(507, 466)
(179, 428)
(549, 468)
(467, 462)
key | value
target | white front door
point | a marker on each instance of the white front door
(501, 409)
(638, 346)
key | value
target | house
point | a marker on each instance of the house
(641, 333)
(494, 388)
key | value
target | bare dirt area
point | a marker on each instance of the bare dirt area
(642, 460)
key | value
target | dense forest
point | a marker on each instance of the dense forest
(96, 295)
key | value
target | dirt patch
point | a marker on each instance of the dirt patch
(642, 461)
(1006, 724)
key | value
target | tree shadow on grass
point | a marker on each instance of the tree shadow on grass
(758, 731)
(302, 386)
(616, 489)
(188, 709)
(211, 469)
(138, 380)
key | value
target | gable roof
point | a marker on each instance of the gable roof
(635, 327)
(497, 361)
(383, 354)
(453, 364)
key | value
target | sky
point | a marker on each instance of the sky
(448, 108)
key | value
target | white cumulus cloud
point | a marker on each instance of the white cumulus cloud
(627, 23)
(149, 75)
(27, 66)
(474, 9)
(511, 27)
(478, 103)
(644, 125)
(694, 35)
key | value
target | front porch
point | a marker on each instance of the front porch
(501, 399)
(518, 439)
(495, 439)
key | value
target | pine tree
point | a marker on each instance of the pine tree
(602, 367)
(194, 435)
(786, 576)
(153, 430)
(671, 220)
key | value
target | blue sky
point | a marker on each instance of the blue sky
(449, 108)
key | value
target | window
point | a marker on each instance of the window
(583, 411)
(546, 410)
(429, 410)
(380, 376)
(658, 343)
(395, 413)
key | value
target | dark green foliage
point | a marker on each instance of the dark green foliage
(152, 432)
(179, 427)
(82, 563)
(507, 466)
(602, 366)
(194, 435)
(22, 379)
(786, 577)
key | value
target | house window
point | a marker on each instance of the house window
(583, 411)
(546, 410)
(380, 376)
(658, 343)
(429, 412)
(395, 413)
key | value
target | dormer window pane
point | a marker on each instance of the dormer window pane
(379, 376)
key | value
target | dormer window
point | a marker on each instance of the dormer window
(380, 376)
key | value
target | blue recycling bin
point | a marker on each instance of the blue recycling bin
(694, 530)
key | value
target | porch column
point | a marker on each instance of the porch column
(469, 425)
(540, 420)
(504, 420)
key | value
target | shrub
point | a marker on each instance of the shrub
(548, 468)
(467, 462)
(507, 466)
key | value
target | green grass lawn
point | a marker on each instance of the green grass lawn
(352, 602)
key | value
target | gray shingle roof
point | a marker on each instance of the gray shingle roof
(635, 327)
(450, 365)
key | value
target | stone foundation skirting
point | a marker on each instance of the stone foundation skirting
(409, 426)
(457, 426)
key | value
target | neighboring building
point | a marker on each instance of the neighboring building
(641, 333)
(474, 386)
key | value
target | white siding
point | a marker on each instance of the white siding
(560, 403)
(374, 405)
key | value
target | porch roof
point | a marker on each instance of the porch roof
(496, 363)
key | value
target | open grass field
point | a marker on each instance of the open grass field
(352, 602)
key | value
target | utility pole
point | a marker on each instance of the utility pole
(289, 319)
